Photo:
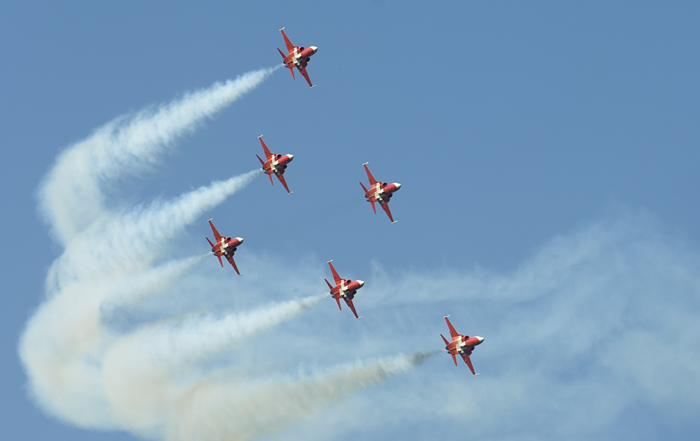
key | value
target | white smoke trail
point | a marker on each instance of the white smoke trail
(152, 281)
(85, 370)
(64, 341)
(107, 253)
(64, 369)
(72, 194)
(203, 337)
(143, 371)
(219, 408)
(133, 240)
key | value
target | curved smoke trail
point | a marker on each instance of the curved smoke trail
(72, 194)
(85, 369)
(219, 408)
(107, 253)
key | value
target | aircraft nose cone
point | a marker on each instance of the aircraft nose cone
(239, 239)
(314, 48)
(361, 283)
(290, 157)
(481, 339)
(397, 185)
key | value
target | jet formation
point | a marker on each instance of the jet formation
(378, 192)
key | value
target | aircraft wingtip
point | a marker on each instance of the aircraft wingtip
(359, 318)
(330, 261)
(290, 192)
(366, 163)
(476, 374)
(282, 29)
(260, 136)
(210, 219)
(393, 222)
(447, 315)
(313, 86)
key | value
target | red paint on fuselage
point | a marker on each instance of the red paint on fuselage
(344, 289)
(379, 192)
(298, 57)
(461, 345)
(275, 164)
(224, 246)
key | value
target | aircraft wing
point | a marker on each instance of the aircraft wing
(385, 206)
(217, 236)
(352, 306)
(372, 181)
(233, 264)
(283, 181)
(306, 75)
(268, 155)
(336, 277)
(290, 46)
(469, 363)
(453, 333)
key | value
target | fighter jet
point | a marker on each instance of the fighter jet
(461, 344)
(344, 288)
(379, 192)
(275, 163)
(297, 57)
(225, 246)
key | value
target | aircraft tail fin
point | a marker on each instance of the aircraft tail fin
(212, 245)
(374, 208)
(328, 283)
(261, 161)
(337, 299)
(364, 188)
(444, 339)
(454, 358)
(222, 263)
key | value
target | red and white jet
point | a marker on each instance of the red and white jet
(461, 344)
(344, 288)
(275, 163)
(225, 246)
(379, 192)
(297, 57)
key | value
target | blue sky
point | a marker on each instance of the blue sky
(548, 158)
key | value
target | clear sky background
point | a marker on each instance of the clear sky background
(548, 153)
